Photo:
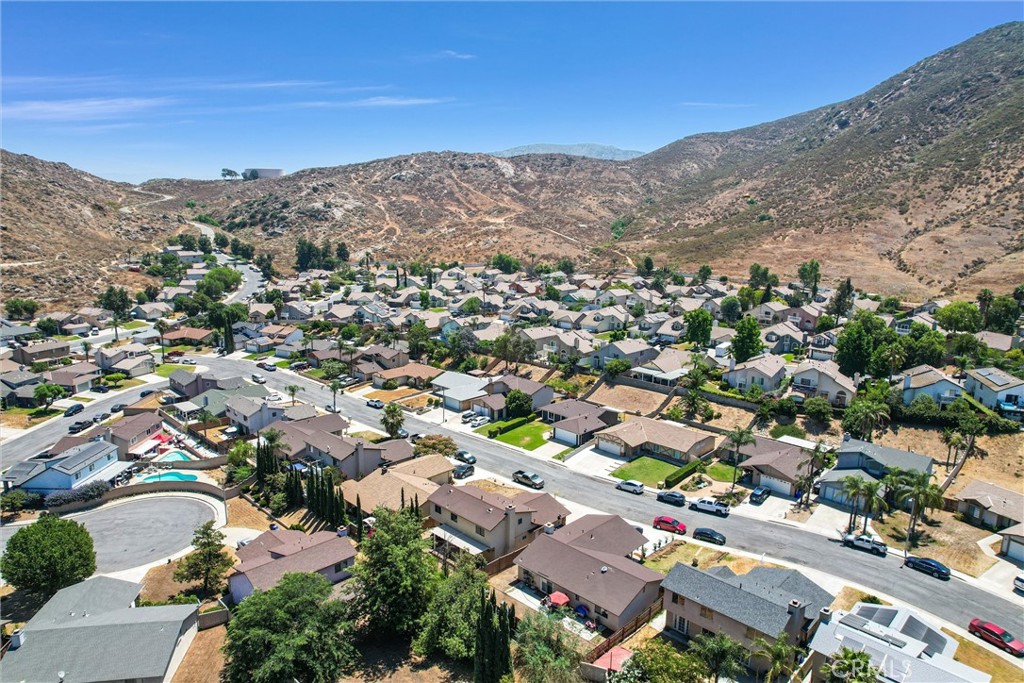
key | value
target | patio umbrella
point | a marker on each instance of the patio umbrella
(559, 599)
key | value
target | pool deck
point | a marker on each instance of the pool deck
(152, 472)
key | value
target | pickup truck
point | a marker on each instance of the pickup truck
(865, 542)
(711, 505)
(531, 479)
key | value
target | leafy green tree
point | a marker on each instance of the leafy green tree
(850, 666)
(565, 265)
(472, 306)
(698, 326)
(118, 302)
(396, 576)
(853, 349)
(436, 443)
(228, 174)
(47, 393)
(417, 338)
(545, 652)
(392, 418)
(659, 661)
(731, 308)
(842, 300)
(747, 342)
(778, 654)
(221, 240)
(48, 555)
(825, 323)
(551, 293)
(512, 348)
(48, 326)
(292, 632)
(703, 275)
(341, 252)
(492, 649)
(21, 309)
(646, 267)
(518, 403)
(960, 316)
(450, 623)
(1001, 316)
(865, 416)
(810, 276)
(617, 366)
(505, 263)
(209, 563)
(241, 453)
(819, 410)
(722, 655)
(116, 378)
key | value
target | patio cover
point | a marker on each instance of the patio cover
(559, 599)
(147, 445)
(459, 539)
(187, 407)
(116, 468)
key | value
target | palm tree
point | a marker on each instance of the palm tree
(85, 350)
(739, 438)
(850, 666)
(722, 655)
(868, 416)
(922, 494)
(957, 443)
(893, 482)
(204, 417)
(947, 441)
(985, 297)
(778, 653)
(162, 326)
(874, 502)
(813, 466)
(893, 356)
(293, 389)
(853, 489)
(271, 438)
(335, 387)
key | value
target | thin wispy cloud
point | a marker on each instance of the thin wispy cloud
(452, 54)
(396, 101)
(94, 108)
(714, 105)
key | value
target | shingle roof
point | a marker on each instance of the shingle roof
(640, 430)
(605, 533)
(270, 560)
(889, 457)
(995, 499)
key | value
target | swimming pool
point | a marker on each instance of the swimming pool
(174, 456)
(170, 476)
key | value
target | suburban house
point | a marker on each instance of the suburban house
(252, 415)
(769, 313)
(993, 388)
(1012, 544)
(214, 401)
(784, 337)
(803, 317)
(665, 370)
(671, 331)
(903, 326)
(639, 436)
(458, 389)
(42, 352)
(415, 375)
(776, 465)
(636, 351)
(74, 378)
(926, 380)
(898, 641)
(95, 317)
(997, 341)
(17, 388)
(131, 359)
(321, 439)
(493, 404)
(823, 379)
(192, 384)
(479, 522)
(152, 311)
(766, 602)
(988, 505)
(272, 554)
(575, 422)
(823, 345)
(191, 336)
(77, 629)
(589, 561)
(870, 462)
(765, 371)
(396, 486)
(133, 434)
(68, 470)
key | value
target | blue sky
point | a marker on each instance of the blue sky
(131, 91)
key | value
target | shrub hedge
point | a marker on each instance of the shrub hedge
(681, 473)
(88, 492)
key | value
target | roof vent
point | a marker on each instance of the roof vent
(604, 570)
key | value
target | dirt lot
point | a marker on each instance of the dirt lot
(418, 401)
(681, 551)
(204, 660)
(627, 398)
(732, 418)
(243, 513)
(392, 662)
(492, 486)
(393, 395)
(848, 597)
(159, 584)
(945, 539)
(23, 418)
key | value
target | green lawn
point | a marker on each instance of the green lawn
(721, 471)
(789, 357)
(168, 369)
(134, 325)
(187, 348)
(80, 399)
(282, 363)
(648, 470)
(128, 384)
(529, 436)
(259, 356)
(316, 373)
(37, 414)
(67, 337)
(439, 309)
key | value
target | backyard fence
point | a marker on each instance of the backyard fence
(150, 487)
(631, 627)
(502, 563)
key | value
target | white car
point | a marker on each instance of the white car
(711, 505)
(631, 486)
(274, 397)
(866, 542)
(480, 421)
(188, 361)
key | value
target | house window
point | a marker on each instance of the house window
(520, 521)
(707, 612)
(455, 517)
(437, 508)
(752, 633)
(678, 599)
(338, 567)
(92, 467)
(480, 531)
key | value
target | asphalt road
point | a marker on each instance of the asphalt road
(954, 600)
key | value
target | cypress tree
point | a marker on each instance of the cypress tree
(359, 520)
(402, 493)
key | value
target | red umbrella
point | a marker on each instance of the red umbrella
(558, 599)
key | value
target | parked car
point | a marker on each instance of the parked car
(531, 479)
(270, 367)
(469, 416)
(928, 566)
(672, 524)
(79, 426)
(462, 471)
(74, 410)
(1018, 582)
(274, 397)
(101, 417)
(416, 437)
(997, 636)
(261, 364)
(672, 498)
(331, 408)
(866, 542)
(94, 332)
(402, 433)
(177, 353)
(760, 494)
(715, 507)
(631, 486)
(465, 456)
(117, 407)
(375, 403)
(146, 392)
(710, 535)
(258, 378)
(101, 389)
(300, 365)
(480, 421)
(188, 361)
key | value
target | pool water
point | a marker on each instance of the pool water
(171, 476)
(174, 456)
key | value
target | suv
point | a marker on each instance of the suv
(672, 498)
(462, 471)
(258, 378)
(469, 416)
(74, 410)
(375, 403)
(631, 486)
(760, 494)
(866, 542)
(711, 505)
(531, 479)
(465, 456)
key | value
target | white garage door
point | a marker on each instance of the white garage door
(612, 447)
(1015, 550)
(776, 485)
(564, 436)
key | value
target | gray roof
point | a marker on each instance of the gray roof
(91, 632)
(758, 599)
(886, 456)
(78, 457)
(20, 472)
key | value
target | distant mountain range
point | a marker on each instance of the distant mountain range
(915, 188)
(589, 150)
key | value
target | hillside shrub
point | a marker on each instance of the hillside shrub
(90, 491)
(787, 430)
(818, 409)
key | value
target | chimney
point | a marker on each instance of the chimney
(825, 616)
(17, 638)
(732, 362)
(549, 528)
(797, 616)
(359, 453)
(510, 527)
(906, 381)
(846, 436)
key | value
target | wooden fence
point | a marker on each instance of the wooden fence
(631, 627)
(502, 563)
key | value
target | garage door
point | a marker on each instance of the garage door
(1015, 550)
(612, 447)
(564, 436)
(776, 485)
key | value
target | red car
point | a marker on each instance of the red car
(996, 635)
(175, 354)
(669, 524)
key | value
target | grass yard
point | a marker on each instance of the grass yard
(648, 470)
(66, 337)
(168, 369)
(372, 437)
(283, 363)
(848, 597)
(128, 384)
(681, 551)
(80, 399)
(315, 373)
(23, 418)
(974, 655)
(134, 325)
(259, 356)
(530, 436)
(187, 348)
(943, 538)
(721, 471)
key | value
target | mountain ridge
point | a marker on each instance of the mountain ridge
(586, 149)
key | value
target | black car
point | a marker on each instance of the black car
(466, 457)
(462, 471)
(101, 389)
(117, 407)
(74, 410)
(760, 494)
(672, 498)
(709, 535)
(928, 566)
(146, 392)
(79, 427)
(101, 417)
